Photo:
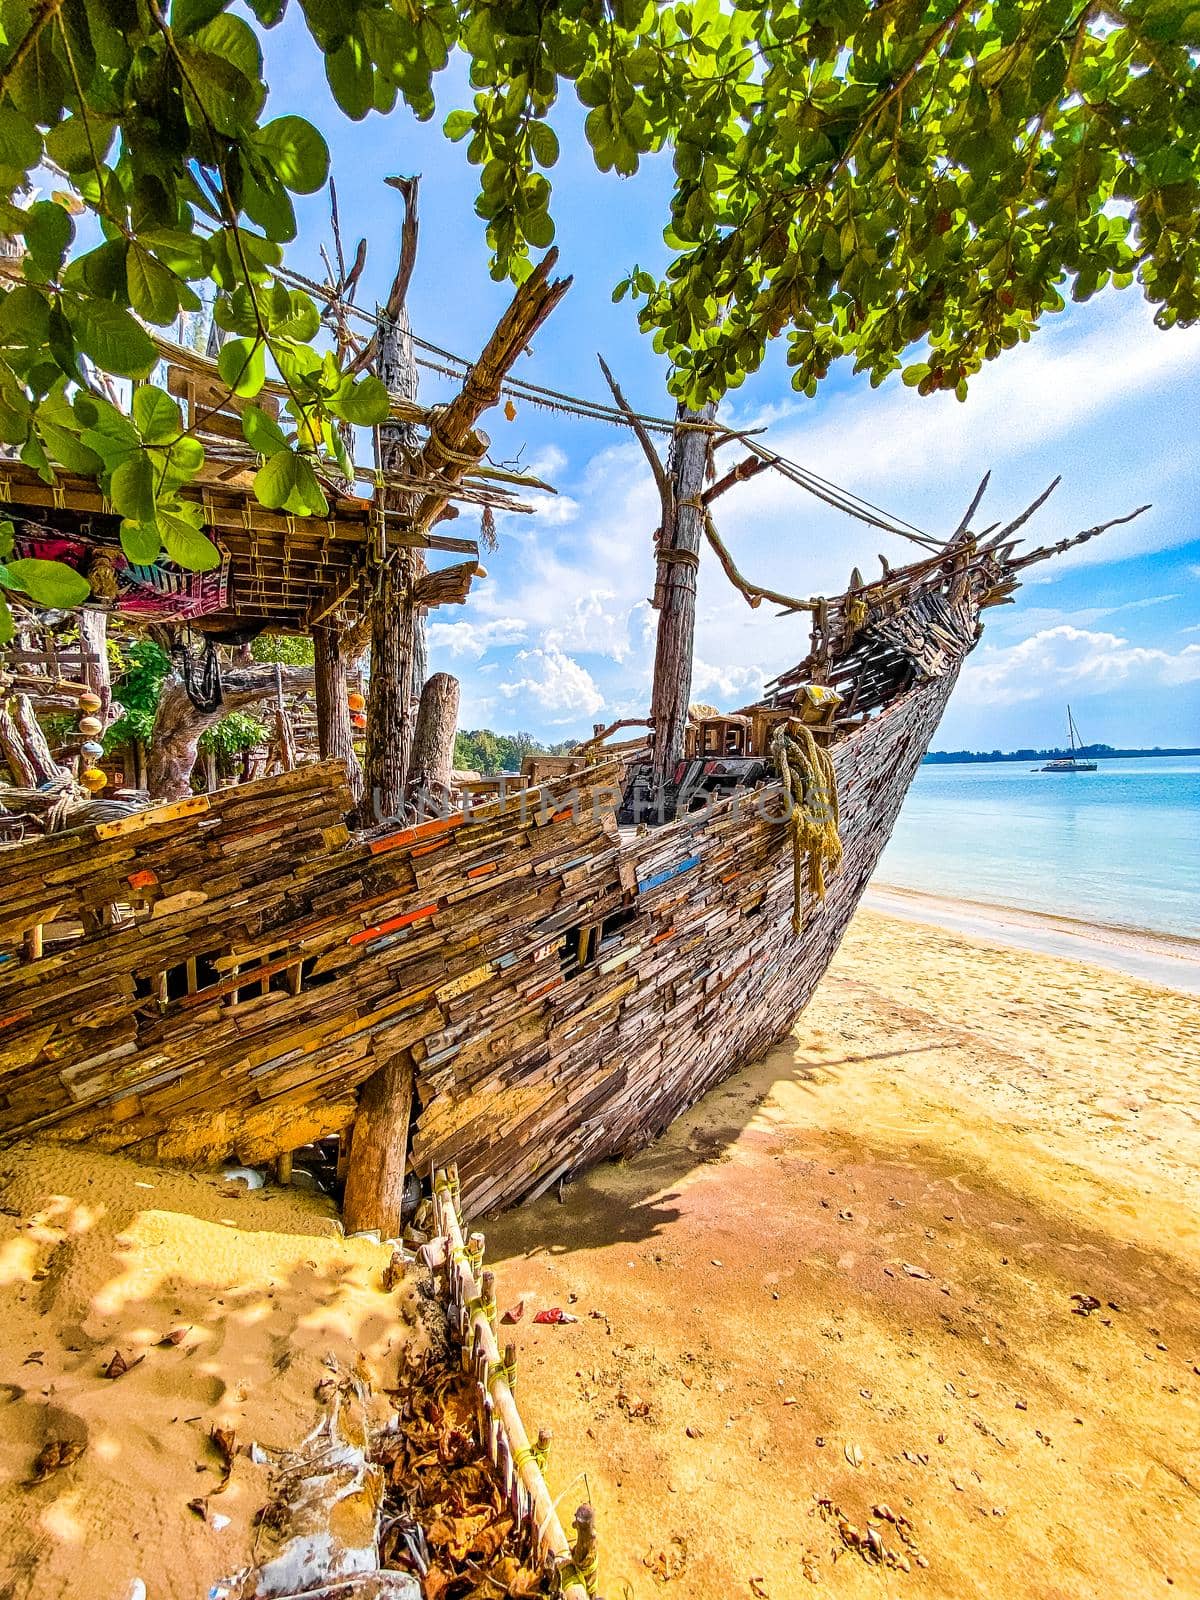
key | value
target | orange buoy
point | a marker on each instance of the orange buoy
(355, 701)
(93, 779)
(357, 720)
(89, 701)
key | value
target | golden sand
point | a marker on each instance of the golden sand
(100, 1255)
(851, 1273)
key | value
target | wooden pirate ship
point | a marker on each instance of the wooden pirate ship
(528, 981)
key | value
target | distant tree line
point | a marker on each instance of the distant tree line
(484, 751)
(1096, 752)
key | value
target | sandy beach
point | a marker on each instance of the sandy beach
(928, 1269)
(227, 1305)
(938, 1256)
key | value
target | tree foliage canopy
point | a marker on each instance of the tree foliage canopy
(862, 175)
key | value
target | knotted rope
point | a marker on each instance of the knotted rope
(810, 791)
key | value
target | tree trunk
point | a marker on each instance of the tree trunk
(335, 733)
(432, 758)
(19, 764)
(395, 622)
(379, 1150)
(178, 725)
(675, 591)
(93, 630)
(34, 738)
(389, 700)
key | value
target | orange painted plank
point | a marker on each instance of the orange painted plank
(143, 879)
(482, 872)
(392, 924)
(424, 830)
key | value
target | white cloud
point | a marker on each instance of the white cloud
(557, 683)
(595, 622)
(735, 685)
(476, 638)
(1073, 659)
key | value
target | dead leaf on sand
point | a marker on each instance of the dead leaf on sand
(176, 1336)
(514, 1313)
(915, 1272)
(758, 1588)
(664, 1565)
(1085, 1304)
(118, 1366)
(54, 1455)
(853, 1455)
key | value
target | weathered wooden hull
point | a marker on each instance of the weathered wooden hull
(276, 961)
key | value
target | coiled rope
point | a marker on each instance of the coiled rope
(810, 791)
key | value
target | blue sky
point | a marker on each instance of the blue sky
(560, 636)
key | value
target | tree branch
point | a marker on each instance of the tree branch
(661, 481)
(753, 594)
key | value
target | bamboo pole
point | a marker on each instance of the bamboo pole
(511, 1445)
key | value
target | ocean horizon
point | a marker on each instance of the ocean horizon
(1116, 846)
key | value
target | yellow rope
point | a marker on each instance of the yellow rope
(810, 790)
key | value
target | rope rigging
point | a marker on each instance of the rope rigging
(449, 365)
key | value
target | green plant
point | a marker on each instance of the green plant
(864, 175)
(292, 650)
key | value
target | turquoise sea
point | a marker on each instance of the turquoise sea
(1120, 845)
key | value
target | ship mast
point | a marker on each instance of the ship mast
(675, 585)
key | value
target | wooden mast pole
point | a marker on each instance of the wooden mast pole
(682, 524)
(394, 615)
(675, 588)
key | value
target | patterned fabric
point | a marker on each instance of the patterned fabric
(162, 592)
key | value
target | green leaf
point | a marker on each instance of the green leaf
(295, 152)
(49, 583)
(153, 291)
(48, 232)
(7, 628)
(275, 480)
(8, 536)
(262, 433)
(366, 403)
(111, 338)
(20, 142)
(544, 141)
(65, 447)
(232, 41)
(141, 542)
(77, 143)
(156, 415)
(287, 482)
(187, 546)
(131, 488)
(351, 77)
(458, 125)
(242, 365)
(188, 15)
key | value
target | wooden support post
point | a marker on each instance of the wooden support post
(432, 759)
(675, 589)
(283, 1167)
(31, 944)
(335, 733)
(379, 1150)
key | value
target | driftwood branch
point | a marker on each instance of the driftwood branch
(747, 467)
(965, 524)
(752, 592)
(398, 293)
(1036, 505)
(661, 481)
(1046, 551)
